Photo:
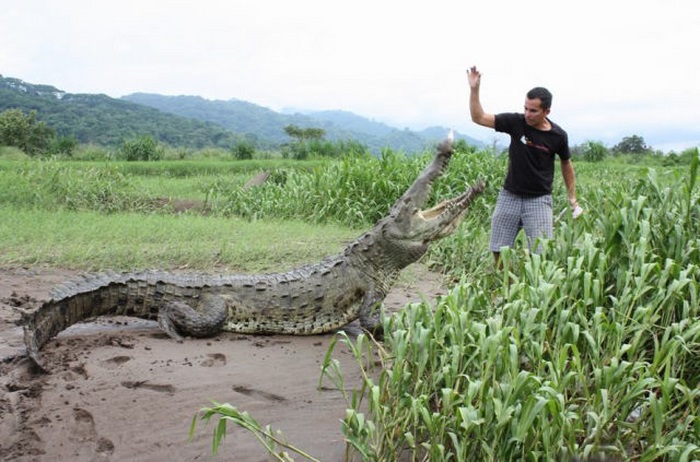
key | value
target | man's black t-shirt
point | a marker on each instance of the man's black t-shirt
(531, 154)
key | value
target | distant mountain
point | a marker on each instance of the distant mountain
(255, 122)
(195, 122)
(102, 120)
(359, 124)
(353, 122)
(262, 123)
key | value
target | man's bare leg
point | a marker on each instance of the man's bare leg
(497, 260)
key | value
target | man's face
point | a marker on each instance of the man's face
(534, 114)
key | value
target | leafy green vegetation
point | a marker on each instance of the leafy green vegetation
(590, 349)
(24, 131)
(125, 215)
(271, 440)
(587, 350)
(354, 191)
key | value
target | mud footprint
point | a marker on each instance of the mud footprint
(113, 363)
(259, 393)
(85, 432)
(84, 425)
(150, 386)
(214, 360)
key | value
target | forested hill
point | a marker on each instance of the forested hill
(194, 122)
(263, 123)
(255, 122)
(102, 120)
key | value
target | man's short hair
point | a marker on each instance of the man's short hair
(541, 93)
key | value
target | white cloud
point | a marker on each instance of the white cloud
(615, 68)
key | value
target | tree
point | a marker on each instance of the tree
(631, 145)
(141, 148)
(23, 131)
(63, 145)
(304, 134)
(243, 149)
(593, 151)
(306, 139)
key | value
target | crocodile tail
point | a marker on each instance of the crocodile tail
(70, 303)
(35, 337)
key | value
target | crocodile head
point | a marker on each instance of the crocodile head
(403, 236)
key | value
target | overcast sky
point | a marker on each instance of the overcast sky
(616, 67)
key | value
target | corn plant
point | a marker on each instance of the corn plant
(590, 349)
(587, 350)
(355, 191)
(272, 441)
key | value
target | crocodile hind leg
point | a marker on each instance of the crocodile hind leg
(205, 319)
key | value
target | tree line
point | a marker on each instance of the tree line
(24, 130)
(34, 137)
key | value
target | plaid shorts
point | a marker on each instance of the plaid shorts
(513, 213)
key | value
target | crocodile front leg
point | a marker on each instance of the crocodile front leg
(177, 318)
(370, 314)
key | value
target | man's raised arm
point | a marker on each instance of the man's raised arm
(475, 110)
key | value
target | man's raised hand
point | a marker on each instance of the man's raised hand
(474, 77)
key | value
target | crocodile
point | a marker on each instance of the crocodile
(313, 299)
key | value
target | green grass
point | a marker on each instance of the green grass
(94, 241)
(99, 214)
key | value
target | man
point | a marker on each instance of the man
(526, 198)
